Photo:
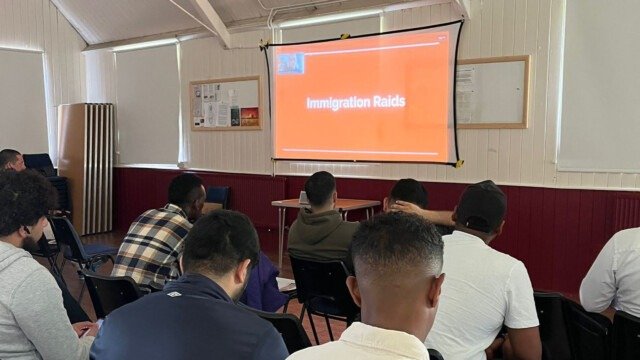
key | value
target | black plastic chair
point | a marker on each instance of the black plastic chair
(553, 327)
(588, 333)
(435, 354)
(321, 288)
(89, 257)
(218, 194)
(289, 326)
(49, 250)
(109, 293)
(625, 336)
(42, 163)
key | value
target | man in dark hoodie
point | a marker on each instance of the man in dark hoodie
(320, 232)
(195, 316)
(33, 323)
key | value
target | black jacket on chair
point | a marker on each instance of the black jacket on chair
(192, 318)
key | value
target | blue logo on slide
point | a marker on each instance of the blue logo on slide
(291, 63)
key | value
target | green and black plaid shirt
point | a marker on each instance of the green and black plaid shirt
(151, 248)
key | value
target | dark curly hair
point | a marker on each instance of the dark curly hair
(26, 197)
(219, 241)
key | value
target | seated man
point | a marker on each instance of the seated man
(33, 322)
(410, 191)
(398, 262)
(485, 289)
(614, 279)
(11, 160)
(150, 250)
(195, 316)
(320, 233)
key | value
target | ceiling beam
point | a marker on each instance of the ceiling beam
(219, 27)
(464, 6)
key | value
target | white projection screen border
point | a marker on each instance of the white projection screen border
(452, 154)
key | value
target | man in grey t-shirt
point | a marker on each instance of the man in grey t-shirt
(33, 321)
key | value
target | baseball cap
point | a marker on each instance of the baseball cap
(482, 207)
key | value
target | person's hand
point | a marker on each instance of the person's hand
(85, 328)
(407, 207)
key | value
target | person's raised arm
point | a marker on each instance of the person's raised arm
(437, 217)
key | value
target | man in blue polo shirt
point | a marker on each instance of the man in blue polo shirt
(195, 317)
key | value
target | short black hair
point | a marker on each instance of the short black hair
(8, 156)
(319, 188)
(26, 197)
(184, 189)
(411, 191)
(394, 242)
(219, 241)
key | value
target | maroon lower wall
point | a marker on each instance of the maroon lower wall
(556, 232)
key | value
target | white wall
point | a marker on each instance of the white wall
(496, 28)
(38, 25)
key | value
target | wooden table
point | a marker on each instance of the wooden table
(342, 205)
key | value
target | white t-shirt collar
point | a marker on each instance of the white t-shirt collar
(398, 342)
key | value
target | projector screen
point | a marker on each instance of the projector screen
(382, 98)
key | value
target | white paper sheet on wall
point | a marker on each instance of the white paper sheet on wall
(465, 95)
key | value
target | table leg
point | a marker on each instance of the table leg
(282, 212)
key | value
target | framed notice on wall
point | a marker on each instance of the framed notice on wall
(493, 93)
(226, 104)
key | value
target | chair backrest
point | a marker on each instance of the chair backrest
(325, 280)
(41, 163)
(66, 234)
(109, 293)
(218, 194)
(435, 354)
(289, 326)
(625, 336)
(588, 333)
(553, 327)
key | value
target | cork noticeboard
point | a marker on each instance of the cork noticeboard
(225, 104)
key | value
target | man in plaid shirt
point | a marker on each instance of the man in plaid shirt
(153, 244)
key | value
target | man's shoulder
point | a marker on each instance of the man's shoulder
(628, 239)
(25, 273)
(158, 219)
(323, 351)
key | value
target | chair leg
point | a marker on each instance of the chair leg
(304, 307)
(81, 278)
(313, 328)
(326, 318)
(64, 261)
(286, 306)
(84, 285)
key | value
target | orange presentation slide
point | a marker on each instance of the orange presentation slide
(375, 98)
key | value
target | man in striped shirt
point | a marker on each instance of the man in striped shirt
(150, 250)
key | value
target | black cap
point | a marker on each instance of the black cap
(482, 207)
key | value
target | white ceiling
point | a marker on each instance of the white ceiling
(101, 21)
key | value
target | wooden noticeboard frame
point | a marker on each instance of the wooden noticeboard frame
(520, 119)
(239, 97)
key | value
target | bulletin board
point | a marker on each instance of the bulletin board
(492, 93)
(226, 104)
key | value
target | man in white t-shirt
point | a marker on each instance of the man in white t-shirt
(398, 261)
(485, 289)
(614, 277)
